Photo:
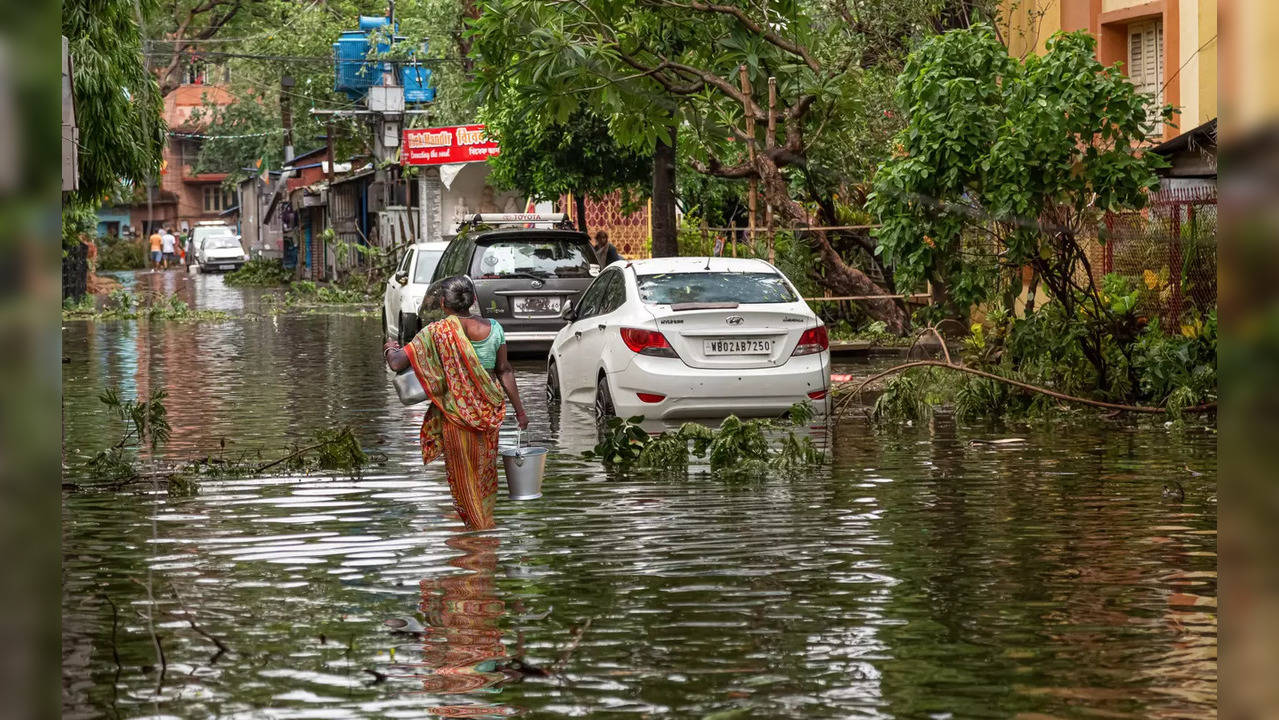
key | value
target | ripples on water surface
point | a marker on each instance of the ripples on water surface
(915, 575)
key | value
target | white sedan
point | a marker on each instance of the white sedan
(220, 252)
(406, 288)
(690, 337)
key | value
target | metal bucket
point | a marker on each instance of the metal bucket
(524, 469)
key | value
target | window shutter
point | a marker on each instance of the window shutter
(1146, 64)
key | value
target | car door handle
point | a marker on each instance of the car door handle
(601, 326)
(578, 334)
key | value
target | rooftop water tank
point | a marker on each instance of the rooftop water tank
(417, 82)
(348, 56)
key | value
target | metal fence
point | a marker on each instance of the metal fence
(1169, 251)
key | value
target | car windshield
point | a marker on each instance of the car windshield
(426, 262)
(540, 258)
(714, 287)
(221, 243)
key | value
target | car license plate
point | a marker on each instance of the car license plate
(226, 267)
(738, 346)
(537, 305)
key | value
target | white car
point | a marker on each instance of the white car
(406, 288)
(690, 338)
(220, 252)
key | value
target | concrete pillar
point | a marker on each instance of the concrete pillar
(430, 210)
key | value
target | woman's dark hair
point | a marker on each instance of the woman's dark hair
(457, 293)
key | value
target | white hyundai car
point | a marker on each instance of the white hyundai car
(692, 338)
(406, 288)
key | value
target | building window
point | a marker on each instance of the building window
(1146, 65)
(217, 199)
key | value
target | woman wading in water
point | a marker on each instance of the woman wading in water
(459, 361)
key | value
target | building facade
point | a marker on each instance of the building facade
(180, 197)
(1166, 47)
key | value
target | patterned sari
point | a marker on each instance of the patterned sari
(467, 408)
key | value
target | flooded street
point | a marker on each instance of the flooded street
(920, 573)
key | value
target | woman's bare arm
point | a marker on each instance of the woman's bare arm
(396, 357)
(506, 374)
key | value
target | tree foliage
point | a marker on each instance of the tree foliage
(1017, 157)
(654, 65)
(577, 156)
(118, 104)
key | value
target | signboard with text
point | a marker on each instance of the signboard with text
(443, 145)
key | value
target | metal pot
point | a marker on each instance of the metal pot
(408, 387)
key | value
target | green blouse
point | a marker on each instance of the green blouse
(486, 349)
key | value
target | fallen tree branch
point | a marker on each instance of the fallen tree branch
(1150, 409)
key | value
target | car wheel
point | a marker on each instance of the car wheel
(409, 326)
(552, 382)
(603, 399)
(386, 329)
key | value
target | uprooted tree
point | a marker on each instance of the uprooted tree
(1019, 158)
(655, 66)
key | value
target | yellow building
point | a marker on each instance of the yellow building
(1167, 47)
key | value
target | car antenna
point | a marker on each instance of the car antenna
(708, 264)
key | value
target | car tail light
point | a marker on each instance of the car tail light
(817, 394)
(650, 397)
(814, 340)
(647, 342)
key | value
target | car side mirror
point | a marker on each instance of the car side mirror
(402, 277)
(567, 312)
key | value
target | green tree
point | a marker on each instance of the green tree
(656, 65)
(577, 156)
(118, 104)
(1018, 157)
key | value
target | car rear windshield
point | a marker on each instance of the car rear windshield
(714, 287)
(534, 257)
(221, 243)
(426, 262)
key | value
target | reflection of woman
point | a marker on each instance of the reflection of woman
(456, 360)
(463, 643)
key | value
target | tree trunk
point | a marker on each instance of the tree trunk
(663, 220)
(841, 278)
(579, 203)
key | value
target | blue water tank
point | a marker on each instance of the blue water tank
(349, 75)
(369, 22)
(417, 84)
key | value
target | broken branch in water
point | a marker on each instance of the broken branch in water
(1024, 386)
(190, 618)
(572, 647)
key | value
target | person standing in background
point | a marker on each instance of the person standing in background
(169, 245)
(605, 253)
(157, 241)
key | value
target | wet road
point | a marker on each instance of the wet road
(916, 574)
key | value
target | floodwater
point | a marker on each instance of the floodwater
(917, 574)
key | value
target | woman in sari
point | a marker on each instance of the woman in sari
(460, 361)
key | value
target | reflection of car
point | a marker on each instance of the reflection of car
(690, 337)
(524, 276)
(220, 252)
(405, 289)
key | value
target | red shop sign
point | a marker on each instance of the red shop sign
(438, 146)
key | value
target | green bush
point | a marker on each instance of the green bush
(121, 254)
(259, 273)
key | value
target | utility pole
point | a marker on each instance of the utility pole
(286, 115)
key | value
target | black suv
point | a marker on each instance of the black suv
(524, 276)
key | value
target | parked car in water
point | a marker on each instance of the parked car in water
(690, 337)
(524, 276)
(220, 252)
(406, 288)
